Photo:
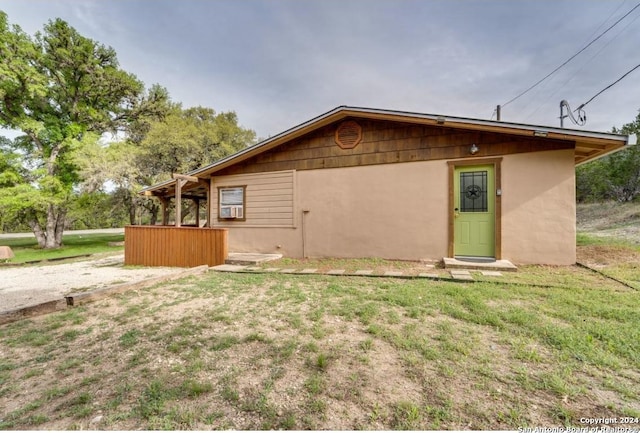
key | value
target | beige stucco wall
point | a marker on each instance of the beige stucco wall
(400, 211)
(395, 211)
(538, 208)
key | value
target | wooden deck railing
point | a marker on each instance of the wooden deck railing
(174, 246)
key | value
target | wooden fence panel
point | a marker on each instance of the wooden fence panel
(184, 247)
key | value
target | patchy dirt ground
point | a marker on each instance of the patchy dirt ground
(610, 220)
(547, 346)
(22, 286)
(264, 351)
(599, 256)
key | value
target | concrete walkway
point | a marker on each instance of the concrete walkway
(495, 265)
(258, 263)
(453, 274)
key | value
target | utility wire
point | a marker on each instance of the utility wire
(605, 21)
(608, 87)
(585, 64)
(571, 58)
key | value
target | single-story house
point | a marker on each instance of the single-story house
(362, 182)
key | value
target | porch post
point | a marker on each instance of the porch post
(196, 202)
(178, 205)
(209, 224)
(181, 180)
(210, 196)
(165, 214)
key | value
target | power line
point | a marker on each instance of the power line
(608, 87)
(562, 86)
(608, 18)
(571, 58)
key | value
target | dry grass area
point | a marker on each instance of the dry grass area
(610, 221)
(546, 346)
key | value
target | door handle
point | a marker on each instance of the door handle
(456, 214)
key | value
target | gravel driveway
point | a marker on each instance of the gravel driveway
(29, 285)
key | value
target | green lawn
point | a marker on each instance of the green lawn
(26, 249)
(546, 346)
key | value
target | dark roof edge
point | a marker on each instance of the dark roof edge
(497, 123)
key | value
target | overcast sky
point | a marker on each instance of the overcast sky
(278, 63)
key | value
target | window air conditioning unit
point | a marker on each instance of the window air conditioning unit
(231, 212)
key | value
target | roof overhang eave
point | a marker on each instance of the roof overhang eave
(631, 140)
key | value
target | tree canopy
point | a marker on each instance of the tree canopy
(182, 141)
(613, 177)
(190, 138)
(61, 90)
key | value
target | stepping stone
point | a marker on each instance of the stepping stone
(272, 269)
(250, 258)
(228, 268)
(253, 268)
(364, 272)
(491, 273)
(392, 274)
(429, 266)
(424, 275)
(287, 271)
(308, 271)
(336, 272)
(461, 275)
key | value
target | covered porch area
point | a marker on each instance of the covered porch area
(178, 243)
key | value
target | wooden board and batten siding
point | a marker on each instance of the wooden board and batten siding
(385, 142)
(184, 247)
(269, 200)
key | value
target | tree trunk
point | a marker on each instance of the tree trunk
(37, 231)
(52, 222)
(130, 204)
(51, 236)
(154, 215)
(132, 214)
(62, 214)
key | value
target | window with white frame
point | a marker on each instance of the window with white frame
(231, 202)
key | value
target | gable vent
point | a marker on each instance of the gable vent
(348, 134)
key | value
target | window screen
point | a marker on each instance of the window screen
(232, 196)
(473, 191)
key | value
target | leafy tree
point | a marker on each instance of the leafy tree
(61, 90)
(591, 185)
(184, 140)
(190, 138)
(11, 171)
(113, 166)
(614, 177)
(94, 210)
(624, 167)
(11, 174)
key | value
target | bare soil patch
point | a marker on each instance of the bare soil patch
(606, 255)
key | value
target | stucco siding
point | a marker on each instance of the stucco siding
(538, 208)
(400, 211)
(285, 241)
(394, 211)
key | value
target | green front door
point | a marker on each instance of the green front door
(474, 211)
